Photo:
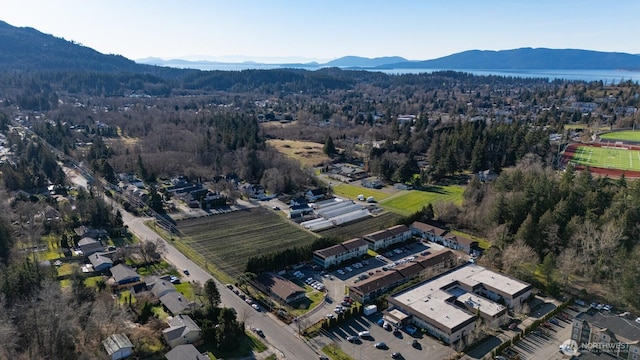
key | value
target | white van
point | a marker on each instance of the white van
(364, 334)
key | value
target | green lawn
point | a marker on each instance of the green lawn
(352, 192)
(93, 281)
(408, 202)
(626, 135)
(607, 158)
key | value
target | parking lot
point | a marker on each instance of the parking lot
(335, 283)
(542, 343)
(400, 341)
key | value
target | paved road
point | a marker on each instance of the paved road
(282, 338)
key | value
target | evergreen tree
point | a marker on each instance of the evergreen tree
(329, 148)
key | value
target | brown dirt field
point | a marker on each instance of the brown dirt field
(568, 153)
(308, 153)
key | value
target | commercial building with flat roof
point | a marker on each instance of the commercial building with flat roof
(446, 305)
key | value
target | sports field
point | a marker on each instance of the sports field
(626, 135)
(607, 157)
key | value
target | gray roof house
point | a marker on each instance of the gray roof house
(160, 286)
(118, 346)
(100, 262)
(86, 231)
(123, 274)
(182, 352)
(182, 330)
(89, 246)
(175, 302)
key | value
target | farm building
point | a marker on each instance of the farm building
(335, 212)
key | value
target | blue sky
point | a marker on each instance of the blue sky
(272, 30)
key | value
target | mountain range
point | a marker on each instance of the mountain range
(27, 49)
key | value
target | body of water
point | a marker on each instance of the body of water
(607, 76)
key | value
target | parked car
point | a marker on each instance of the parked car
(381, 345)
(352, 338)
(364, 334)
(411, 329)
(396, 355)
(229, 286)
(186, 271)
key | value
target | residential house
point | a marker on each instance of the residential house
(487, 175)
(123, 274)
(172, 300)
(339, 253)
(175, 302)
(100, 262)
(86, 231)
(606, 332)
(182, 330)
(160, 286)
(385, 238)
(118, 346)
(89, 246)
(185, 352)
(281, 288)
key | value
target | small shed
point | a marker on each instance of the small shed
(118, 346)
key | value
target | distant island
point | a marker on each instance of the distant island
(516, 59)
